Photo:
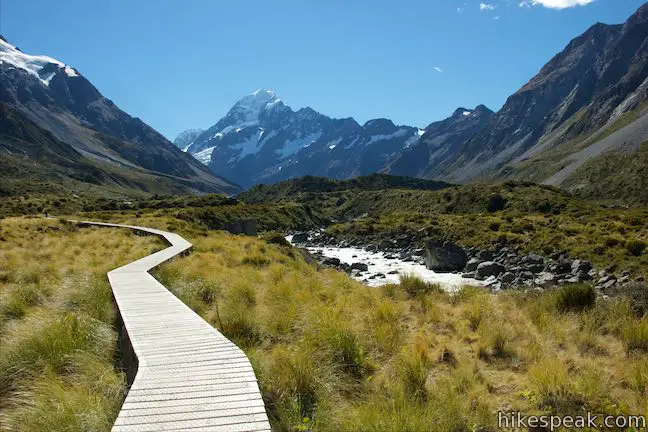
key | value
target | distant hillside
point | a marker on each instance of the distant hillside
(381, 194)
(288, 190)
(613, 176)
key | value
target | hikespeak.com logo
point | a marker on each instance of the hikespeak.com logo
(515, 421)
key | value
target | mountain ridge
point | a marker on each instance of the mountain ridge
(58, 99)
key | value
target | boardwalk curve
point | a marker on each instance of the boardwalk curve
(189, 376)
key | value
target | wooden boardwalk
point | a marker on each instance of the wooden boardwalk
(189, 376)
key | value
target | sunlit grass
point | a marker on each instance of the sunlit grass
(58, 357)
(333, 354)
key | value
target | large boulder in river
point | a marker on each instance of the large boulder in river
(444, 256)
(490, 268)
(359, 266)
(301, 237)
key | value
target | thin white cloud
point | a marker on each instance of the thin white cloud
(555, 4)
(438, 69)
(459, 9)
(496, 18)
(486, 6)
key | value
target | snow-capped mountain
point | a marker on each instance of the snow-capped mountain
(263, 140)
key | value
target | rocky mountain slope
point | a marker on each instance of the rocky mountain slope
(186, 138)
(441, 142)
(50, 95)
(597, 85)
(262, 140)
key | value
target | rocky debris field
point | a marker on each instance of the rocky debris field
(504, 267)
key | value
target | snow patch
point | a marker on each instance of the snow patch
(385, 137)
(204, 156)
(32, 64)
(467, 113)
(293, 146)
(420, 132)
(333, 144)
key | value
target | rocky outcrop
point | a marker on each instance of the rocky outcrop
(444, 256)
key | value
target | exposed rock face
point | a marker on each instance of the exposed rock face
(444, 256)
(440, 143)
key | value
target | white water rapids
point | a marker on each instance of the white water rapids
(377, 263)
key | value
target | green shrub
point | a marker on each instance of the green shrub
(575, 297)
(494, 226)
(414, 285)
(496, 202)
(635, 247)
(635, 336)
(274, 237)
(612, 242)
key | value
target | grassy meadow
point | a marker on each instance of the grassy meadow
(332, 354)
(59, 356)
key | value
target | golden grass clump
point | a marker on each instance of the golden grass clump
(58, 354)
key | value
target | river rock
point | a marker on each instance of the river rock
(332, 261)
(359, 266)
(545, 279)
(444, 256)
(526, 275)
(301, 237)
(472, 264)
(485, 255)
(507, 277)
(579, 266)
(533, 259)
(490, 268)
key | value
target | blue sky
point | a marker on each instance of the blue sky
(182, 64)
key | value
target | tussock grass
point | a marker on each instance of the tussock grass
(333, 354)
(575, 297)
(58, 353)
